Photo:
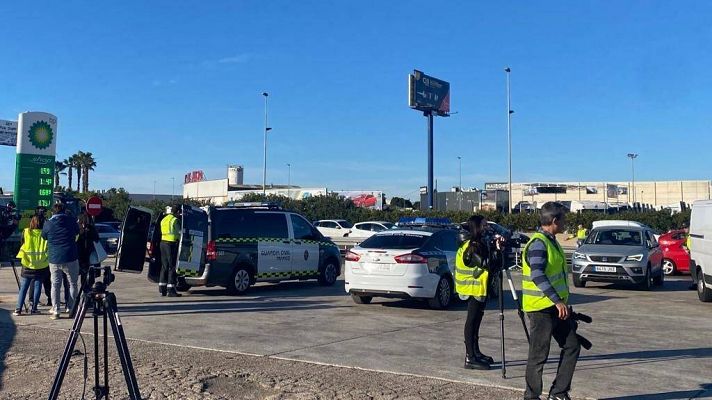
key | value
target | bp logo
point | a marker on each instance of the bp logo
(41, 135)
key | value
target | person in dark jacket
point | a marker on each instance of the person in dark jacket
(61, 232)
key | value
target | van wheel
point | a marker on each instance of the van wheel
(239, 282)
(669, 267)
(578, 282)
(182, 286)
(328, 275)
(361, 299)
(646, 284)
(443, 295)
(703, 292)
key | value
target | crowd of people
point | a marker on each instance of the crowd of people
(55, 253)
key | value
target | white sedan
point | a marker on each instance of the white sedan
(333, 227)
(369, 228)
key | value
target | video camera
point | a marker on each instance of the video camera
(575, 318)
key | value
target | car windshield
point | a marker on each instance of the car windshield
(345, 224)
(616, 237)
(397, 241)
(388, 225)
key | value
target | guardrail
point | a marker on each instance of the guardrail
(345, 243)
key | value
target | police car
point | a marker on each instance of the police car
(238, 245)
(414, 260)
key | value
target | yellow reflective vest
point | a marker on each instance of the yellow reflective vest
(581, 234)
(33, 253)
(470, 280)
(170, 230)
(534, 299)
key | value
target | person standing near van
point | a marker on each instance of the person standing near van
(170, 234)
(61, 232)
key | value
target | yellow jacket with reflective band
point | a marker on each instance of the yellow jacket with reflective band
(33, 253)
(470, 281)
(534, 299)
(170, 232)
(581, 234)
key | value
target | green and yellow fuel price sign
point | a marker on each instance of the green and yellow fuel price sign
(36, 149)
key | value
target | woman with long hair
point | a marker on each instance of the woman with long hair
(35, 264)
(473, 261)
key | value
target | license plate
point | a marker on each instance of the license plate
(383, 268)
(604, 269)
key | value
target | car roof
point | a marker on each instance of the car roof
(619, 224)
(399, 231)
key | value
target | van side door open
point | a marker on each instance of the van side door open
(193, 242)
(131, 253)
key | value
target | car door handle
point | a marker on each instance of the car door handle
(286, 242)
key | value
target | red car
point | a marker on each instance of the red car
(676, 258)
(365, 200)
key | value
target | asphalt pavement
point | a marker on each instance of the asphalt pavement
(647, 345)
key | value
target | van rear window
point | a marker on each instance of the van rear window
(249, 224)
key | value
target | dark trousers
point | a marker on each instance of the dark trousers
(475, 312)
(169, 255)
(543, 325)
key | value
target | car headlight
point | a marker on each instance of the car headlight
(636, 257)
(579, 256)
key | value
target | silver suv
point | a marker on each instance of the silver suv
(619, 251)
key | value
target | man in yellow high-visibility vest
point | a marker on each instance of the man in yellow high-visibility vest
(545, 295)
(170, 236)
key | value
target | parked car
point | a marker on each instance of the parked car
(619, 251)
(369, 228)
(676, 257)
(108, 237)
(236, 246)
(333, 227)
(701, 248)
(365, 200)
(115, 224)
(406, 262)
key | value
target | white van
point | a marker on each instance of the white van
(701, 248)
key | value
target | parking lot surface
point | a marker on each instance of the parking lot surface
(647, 345)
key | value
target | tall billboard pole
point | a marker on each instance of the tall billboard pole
(432, 97)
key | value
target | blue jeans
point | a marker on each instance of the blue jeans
(24, 286)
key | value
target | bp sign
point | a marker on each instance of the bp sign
(34, 168)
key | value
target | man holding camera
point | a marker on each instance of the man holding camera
(545, 295)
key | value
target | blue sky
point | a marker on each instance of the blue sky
(156, 89)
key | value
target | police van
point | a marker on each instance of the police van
(239, 245)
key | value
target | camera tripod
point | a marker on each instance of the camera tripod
(103, 304)
(505, 273)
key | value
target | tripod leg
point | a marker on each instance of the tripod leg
(68, 348)
(518, 303)
(122, 346)
(501, 324)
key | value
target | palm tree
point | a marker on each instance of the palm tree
(76, 159)
(87, 163)
(59, 166)
(69, 162)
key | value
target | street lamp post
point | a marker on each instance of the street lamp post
(632, 157)
(507, 70)
(289, 179)
(173, 187)
(264, 165)
(459, 160)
